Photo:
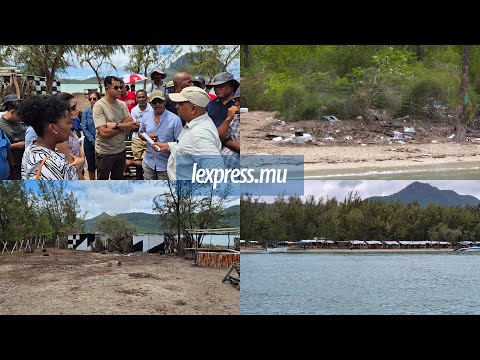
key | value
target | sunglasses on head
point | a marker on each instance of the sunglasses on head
(156, 101)
(93, 99)
(73, 108)
(117, 87)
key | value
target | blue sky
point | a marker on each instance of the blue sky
(115, 197)
(120, 60)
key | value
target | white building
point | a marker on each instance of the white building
(148, 243)
(85, 241)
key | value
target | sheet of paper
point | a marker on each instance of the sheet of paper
(149, 139)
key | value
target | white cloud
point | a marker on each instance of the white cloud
(368, 188)
(115, 197)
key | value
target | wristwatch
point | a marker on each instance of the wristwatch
(117, 126)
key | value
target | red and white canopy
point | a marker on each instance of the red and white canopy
(133, 78)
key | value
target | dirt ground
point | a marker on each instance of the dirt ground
(356, 145)
(80, 282)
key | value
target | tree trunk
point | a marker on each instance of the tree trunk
(462, 117)
(246, 53)
(50, 79)
(420, 52)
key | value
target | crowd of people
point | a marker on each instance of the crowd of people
(48, 138)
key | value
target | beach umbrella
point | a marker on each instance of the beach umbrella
(133, 78)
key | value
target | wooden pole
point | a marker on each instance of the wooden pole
(4, 246)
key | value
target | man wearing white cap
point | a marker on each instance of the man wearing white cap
(198, 140)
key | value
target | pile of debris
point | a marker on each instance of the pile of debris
(13, 82)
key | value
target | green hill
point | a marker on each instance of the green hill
(147, 223)
(151, 223)
(426, 194)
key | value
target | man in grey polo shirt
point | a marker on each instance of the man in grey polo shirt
(112, 119)
(198, 140)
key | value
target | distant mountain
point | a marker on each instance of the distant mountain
(186, 60)
(425, 194)
(147, 223)
(90, 80)
(235, 220)
(151, 223)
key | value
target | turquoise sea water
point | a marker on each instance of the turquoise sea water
(362, 283)
(448, 171)
(79, 88)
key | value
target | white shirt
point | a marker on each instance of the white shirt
(198, 138)
(140, 115)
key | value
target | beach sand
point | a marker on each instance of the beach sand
(365, 152)
(81, 282)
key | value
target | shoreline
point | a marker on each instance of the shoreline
(298, 251)
(356, 158)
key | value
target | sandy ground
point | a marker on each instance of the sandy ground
(79, 282)
(249, 250)
(368, 148)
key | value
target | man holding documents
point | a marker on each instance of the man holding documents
(198, 146)
(163, 127)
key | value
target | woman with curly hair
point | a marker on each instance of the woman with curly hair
(50, 118)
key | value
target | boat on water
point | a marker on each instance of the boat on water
(272, 250)
(469, 249)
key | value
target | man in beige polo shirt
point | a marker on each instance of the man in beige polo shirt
(112, 119)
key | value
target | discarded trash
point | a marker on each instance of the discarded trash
(408, 129)
(359, 118)
(434, 141)
(330, 138)
(277, 139)
(271, 136)
(451, 136)
(348, 137)
(397, 135)
(330, 118)
(401, 142)
(363, 144)
(302, 139)
(293, 129)
(298, 132)
(337, 131)
(243, 110)
(281, 122)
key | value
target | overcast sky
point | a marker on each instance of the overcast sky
(120, 60)
(116, 197)
(368, 188)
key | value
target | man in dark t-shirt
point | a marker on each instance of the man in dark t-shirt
(225, 86)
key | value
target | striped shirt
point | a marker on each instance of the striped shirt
(56, 167)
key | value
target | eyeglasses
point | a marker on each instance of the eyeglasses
(156, 101)
(93, 99)
(73, 108)
(117, 87)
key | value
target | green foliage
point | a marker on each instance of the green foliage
(290, 218)
(186, 205)
(51, 213)
(305, 82)
(119, 231)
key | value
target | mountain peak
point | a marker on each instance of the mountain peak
(425, 194)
